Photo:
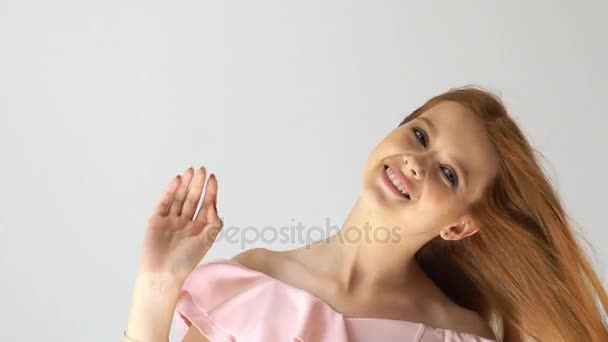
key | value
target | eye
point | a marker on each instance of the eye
(423, 139)
(450, 176)
(421, 136)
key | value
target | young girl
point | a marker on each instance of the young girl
(457, 235)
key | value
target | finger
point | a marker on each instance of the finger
(194, 194)
(180, 195)
(212, 215)
(165, 199)
(210, 196)
(214, 225)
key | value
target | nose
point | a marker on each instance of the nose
(413, 167)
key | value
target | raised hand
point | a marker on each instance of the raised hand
(175, 240)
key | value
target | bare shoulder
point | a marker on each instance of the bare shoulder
(281, 265)
(251, 256)
(470, 322)
(260, 259)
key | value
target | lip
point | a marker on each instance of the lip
(391, 187)
(397, 172)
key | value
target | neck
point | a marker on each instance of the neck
(372, 253)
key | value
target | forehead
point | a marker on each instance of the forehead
(461, 136)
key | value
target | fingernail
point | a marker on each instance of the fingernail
(214, 206)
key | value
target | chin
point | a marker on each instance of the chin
(377, 199)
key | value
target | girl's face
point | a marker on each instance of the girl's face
(442, 160)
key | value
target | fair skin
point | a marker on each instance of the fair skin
(374, 277)
(435, 205)
(175, 241)
(439, 198)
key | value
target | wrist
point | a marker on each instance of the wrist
(157, 283)
(155, 295)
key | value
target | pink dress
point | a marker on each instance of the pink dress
(232, 303)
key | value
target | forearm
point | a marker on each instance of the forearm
(152, 307)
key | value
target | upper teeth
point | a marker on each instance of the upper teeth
(395, 181)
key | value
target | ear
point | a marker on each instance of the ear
(464, 227)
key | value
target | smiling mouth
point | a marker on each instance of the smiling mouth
(396, 183)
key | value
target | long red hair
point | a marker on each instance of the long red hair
(524, 271)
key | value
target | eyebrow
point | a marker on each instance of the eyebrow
(433, 129)
(429, 123)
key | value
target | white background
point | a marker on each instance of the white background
(102, 103)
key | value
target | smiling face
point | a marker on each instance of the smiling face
(443, 160)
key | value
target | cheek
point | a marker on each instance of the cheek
(437, 196)
(437, 201)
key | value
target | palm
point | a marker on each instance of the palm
(175, 240)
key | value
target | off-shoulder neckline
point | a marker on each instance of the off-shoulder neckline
(333, 310)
